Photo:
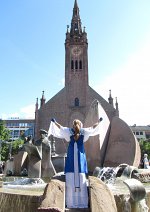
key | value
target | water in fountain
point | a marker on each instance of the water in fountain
(108, 175)
(142, 206)
(123, 180)
(127, 205)
(25, 184)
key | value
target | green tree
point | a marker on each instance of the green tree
(6, 144)
(13, 145)
(16, 145)
(4, 132)
(145, 147)
(4, 136)
(4, 151)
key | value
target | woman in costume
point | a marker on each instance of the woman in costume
(76, 164)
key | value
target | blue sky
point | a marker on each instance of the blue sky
(32, 53)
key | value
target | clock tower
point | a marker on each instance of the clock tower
(76, 61)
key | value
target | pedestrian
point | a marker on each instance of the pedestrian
(146, 162)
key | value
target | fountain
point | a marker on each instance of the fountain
(18, 193)
(126, 184)
(121, 183)
(124, 192)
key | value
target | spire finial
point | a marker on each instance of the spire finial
(117, 108)
(109, 93)
(110, 99)
(116, 104)
(75, 3)
(43, 99)
(76, 21)
(36, 105)
(67, 28)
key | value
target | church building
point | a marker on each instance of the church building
(75, 99)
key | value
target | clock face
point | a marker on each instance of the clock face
(76, 51)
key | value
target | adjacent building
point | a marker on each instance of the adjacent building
(19, 127)
(141, 132)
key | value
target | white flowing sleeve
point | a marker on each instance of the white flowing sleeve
(91, 132)
(62, 132)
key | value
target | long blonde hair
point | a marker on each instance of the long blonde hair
(77, 124)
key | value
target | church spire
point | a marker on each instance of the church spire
(36, 105)
(43, 99)
(36, 118)
(76, 28)
(75, 4)
(110, 99)
(117, 108)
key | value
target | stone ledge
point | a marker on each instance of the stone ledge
(101, 198)
(53, 198)
(50, 209)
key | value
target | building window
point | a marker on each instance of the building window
(141, 133)
(30, 125)
(80, 64)
(16, 133)
(21, 124)
(11, 133)
(137, 133)
(76, 64)
(76, 102)
(72, 64)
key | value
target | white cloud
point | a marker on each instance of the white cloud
(8, 116)
(131, 84)
(27, 112)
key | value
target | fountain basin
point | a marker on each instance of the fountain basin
(23, 197)
(29, 200)
(16, 201)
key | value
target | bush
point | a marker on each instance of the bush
(145, 147)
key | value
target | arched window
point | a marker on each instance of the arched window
(76, 64)
(76, 102)
(72, 64)
(80, 64)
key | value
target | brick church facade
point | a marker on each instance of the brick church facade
(75, 99)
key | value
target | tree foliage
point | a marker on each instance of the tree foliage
(145, 147)
(4, 151)
(8, 146)
(16, 145)
(4, 132)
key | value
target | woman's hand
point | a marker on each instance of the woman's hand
(53, 120)
(101, 119)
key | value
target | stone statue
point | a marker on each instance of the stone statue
(39, 152)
